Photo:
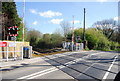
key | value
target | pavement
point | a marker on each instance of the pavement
(19, 62)
(10, 63)
(82, 65)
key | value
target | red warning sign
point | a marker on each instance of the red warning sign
(3, 44)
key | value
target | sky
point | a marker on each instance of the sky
(47, 16)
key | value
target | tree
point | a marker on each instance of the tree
(50, 41)
(10, 18)
(65, 27)
(108, 27)
(56, 40)
(33, 36)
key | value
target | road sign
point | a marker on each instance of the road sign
(12, 44)
(13, 38)
(3, 44)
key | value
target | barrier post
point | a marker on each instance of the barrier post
(22, 53)
(31, 50)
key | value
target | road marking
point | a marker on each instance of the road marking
(42, 74)
(34, 75)
(37, 74)
(24, 77)
(107, 73)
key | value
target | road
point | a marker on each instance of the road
(71, 66)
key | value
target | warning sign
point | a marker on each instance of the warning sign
(3, 44)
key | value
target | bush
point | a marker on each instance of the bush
(50, 41)
(114, 46)
(96, 40)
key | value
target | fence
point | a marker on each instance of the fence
(12, 50)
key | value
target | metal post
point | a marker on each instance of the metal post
(15, 48)
(7, 53)
(23, 18)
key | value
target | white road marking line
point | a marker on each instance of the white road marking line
(34, 75)
(42, 74)
(107, 73)
(24, 77)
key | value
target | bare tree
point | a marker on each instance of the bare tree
(108, 27)
(65, 27)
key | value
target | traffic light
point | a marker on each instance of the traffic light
(13, 31)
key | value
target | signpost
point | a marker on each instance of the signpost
(13, 32)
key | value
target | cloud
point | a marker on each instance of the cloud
(33, 11)
(56, 21)
(50, 14)
(76, 21)
(35, 23)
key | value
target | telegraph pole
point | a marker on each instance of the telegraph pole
(84, 30)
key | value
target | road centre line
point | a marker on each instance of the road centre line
(107, 73)
(34, 75)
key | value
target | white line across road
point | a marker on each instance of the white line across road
(24, 77)
(107, 73)
(40, 73)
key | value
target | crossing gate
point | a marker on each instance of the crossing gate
(12, 50)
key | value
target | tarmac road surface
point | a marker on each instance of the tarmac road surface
(83, 65)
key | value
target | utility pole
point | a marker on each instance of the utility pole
(73, 34)
(23, 19)
(84, 30)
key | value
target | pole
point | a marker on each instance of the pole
(15, 48)
(84, 29)
(23, 18)
(73, 34)
(7, 53)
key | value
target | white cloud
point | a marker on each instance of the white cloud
(35, 23)
(33, 11)
(56, 21)
(50, 13)
(75, 21)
